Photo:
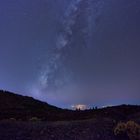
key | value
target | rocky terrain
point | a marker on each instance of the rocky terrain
(73, 130)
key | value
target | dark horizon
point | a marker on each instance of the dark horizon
(71, 52)
(80, 107)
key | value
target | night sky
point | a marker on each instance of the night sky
(70, 52)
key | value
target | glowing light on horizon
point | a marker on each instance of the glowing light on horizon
(79, 106)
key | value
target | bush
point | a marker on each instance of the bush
(120, 128)
(12, 119)
(133, 130)
(130, 128)
(35, 119)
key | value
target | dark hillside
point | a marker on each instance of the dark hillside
(24, 108)
(24, 118)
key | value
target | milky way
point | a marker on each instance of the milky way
(70, 52)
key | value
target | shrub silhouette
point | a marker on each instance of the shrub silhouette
(120, 128)
(34, 119)
(12, 119)
(130, 128)
(133, 130)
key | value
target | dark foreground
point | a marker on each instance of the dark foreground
(101, 129)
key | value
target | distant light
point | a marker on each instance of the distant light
(79, 106)
(106, 106)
